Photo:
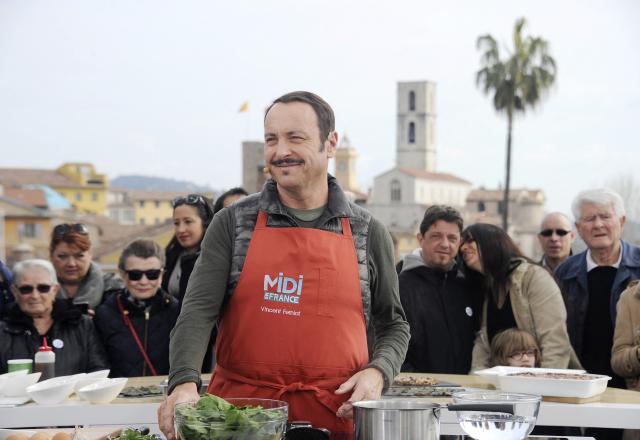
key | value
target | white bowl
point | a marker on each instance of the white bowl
(5, 376)
(103, 391)
(17, 385)
(51, 391)
(90, 378)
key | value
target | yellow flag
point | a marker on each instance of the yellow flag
(244, 107)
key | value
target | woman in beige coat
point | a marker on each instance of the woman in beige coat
(518, 293)
(625, 354)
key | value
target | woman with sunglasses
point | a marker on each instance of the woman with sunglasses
(38, 314)
(80, 278)
(135, 322)
(191, 216)
(518, 293)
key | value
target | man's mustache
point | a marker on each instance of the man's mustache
(287, 161)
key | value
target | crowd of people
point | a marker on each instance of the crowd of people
(298, 290)
(95, 320)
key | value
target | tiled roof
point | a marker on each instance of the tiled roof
(26, 176)
(446, 177)
(33, 197)
(495, 195)
(140, 194)
(126, 233)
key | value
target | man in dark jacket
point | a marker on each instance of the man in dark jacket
(5, 295)
(36, 314)
(592, 282)
(440, 306)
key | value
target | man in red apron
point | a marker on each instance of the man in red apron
(303, 273)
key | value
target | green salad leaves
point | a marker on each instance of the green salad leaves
(213, 418)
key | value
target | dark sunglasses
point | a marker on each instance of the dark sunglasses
(136, 275)
(27, 289)
(65, 228)
(549, 232)
(191, 199)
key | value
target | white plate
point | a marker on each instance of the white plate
(491, 374)
(14, 401)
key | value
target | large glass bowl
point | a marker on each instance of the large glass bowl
(266, 420)
(483, 425)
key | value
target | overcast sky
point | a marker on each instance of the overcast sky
(154, 86)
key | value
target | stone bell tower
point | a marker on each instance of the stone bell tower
(416, 126)
(345, 170)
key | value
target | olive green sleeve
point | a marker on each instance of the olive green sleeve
(202, 301)
(389, 320)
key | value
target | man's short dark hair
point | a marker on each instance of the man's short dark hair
(323, 111)
(440, 212)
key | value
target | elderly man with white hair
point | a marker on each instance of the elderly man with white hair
(593, 280)
(37, 315)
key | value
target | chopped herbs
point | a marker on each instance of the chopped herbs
(213, 418)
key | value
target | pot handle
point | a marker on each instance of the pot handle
(485, 407)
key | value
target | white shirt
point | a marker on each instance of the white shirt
(592, 264)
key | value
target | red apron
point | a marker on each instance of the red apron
(294, 328)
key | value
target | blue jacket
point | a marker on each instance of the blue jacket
(572, 277)
(6, 298)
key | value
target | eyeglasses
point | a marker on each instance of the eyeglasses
(549, 232)
(191, 199)
(27, 289)
(518, 355)
(136, 275)
(65, 228)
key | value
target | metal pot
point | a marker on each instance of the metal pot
(419, 419)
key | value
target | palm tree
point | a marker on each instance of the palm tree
(516, 83)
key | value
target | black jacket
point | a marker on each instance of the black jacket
(443, 313)
(73, 337)
(186, 267)
(152, 320)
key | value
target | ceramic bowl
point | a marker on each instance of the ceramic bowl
(90, 378)
(52, 391)
(17, 385)
(103, 391)
(5, 376)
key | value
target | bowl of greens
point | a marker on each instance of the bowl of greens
(214, 418)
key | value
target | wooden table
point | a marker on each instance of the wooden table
(616, 409)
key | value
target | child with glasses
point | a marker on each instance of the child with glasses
(515, 348)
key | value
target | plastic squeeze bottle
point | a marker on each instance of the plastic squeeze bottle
(45, 361)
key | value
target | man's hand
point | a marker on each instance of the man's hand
(186, 392)
(366, 385)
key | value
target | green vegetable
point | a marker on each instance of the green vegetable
(213, 418)
(134, 434)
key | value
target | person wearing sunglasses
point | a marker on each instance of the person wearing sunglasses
(305, 344)
(517, 293)
(191, 217)
(134, 323)
(556, 238)
(6, 298)
(80, 278)
(37, 313)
